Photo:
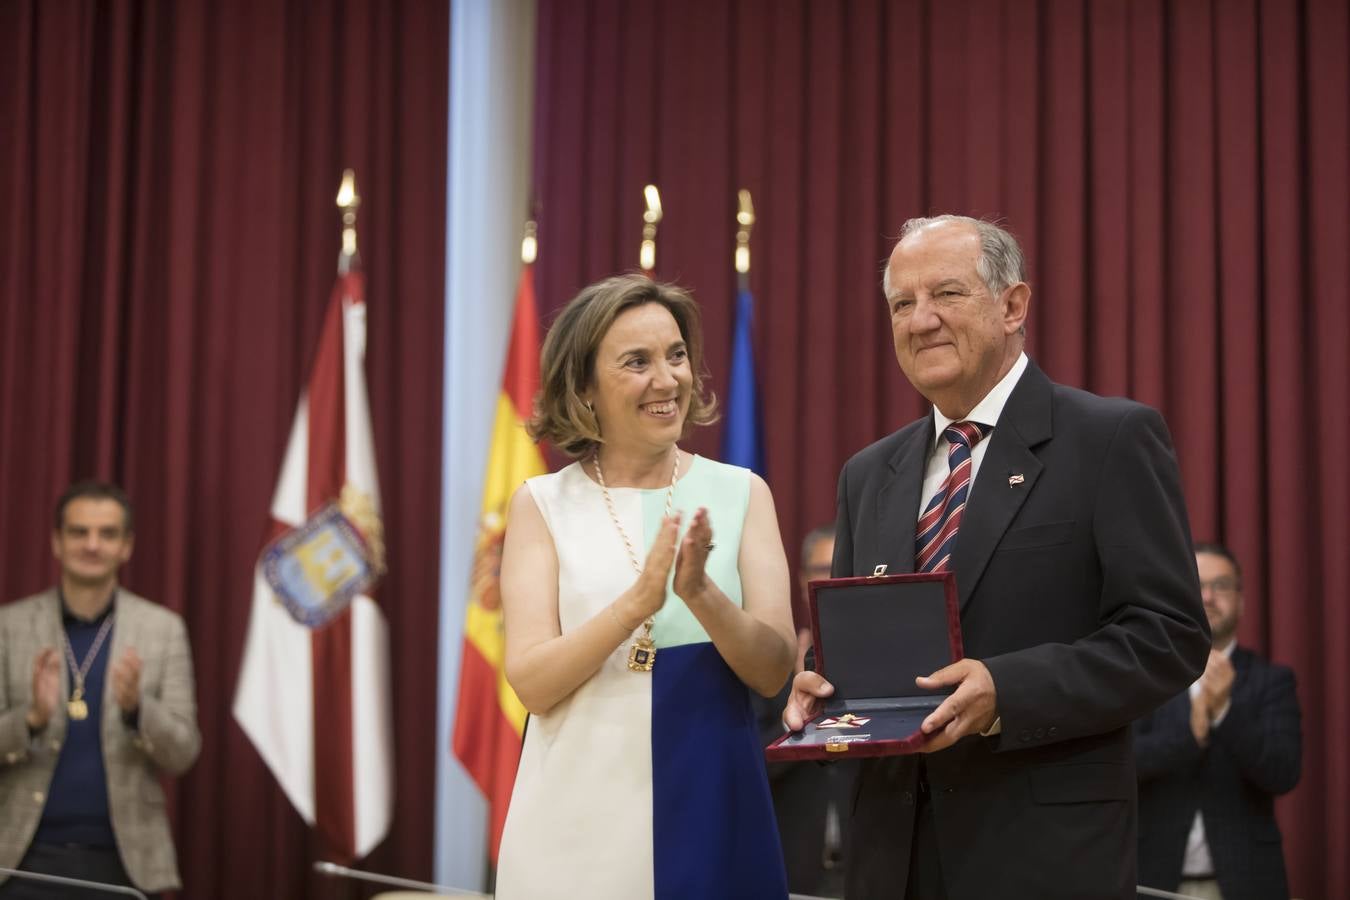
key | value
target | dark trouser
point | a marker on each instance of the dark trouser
(925, 866)
(69, 861)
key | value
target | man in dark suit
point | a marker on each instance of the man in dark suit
(1212, 760)
(1062, 517)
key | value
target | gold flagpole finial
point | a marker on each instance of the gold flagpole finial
(650, 219)
(349, 202)
(745, 222)
(529, 243)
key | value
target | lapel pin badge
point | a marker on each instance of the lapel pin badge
(1016, 478)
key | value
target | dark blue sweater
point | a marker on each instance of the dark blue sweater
(76, 811)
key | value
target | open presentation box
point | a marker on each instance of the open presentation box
(873, 636)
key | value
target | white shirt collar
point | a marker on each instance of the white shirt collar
(987, 411)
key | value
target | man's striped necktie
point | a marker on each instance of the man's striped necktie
(936, 534)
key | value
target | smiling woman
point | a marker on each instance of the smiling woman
(564, 411)
(642, 380)
(641, 768)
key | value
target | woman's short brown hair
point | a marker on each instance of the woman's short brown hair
(567, 360)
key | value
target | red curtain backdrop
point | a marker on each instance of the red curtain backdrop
(168, 241)
(1177, 172)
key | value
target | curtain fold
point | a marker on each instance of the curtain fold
(168, 241)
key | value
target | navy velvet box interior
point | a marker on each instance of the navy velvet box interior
(874, 636)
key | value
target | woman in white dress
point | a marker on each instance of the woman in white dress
(644, 589)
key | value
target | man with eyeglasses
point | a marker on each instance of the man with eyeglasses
(1212, 760)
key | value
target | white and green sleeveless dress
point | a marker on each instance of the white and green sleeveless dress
(643, 785)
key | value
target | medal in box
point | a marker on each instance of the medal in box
(873, 637)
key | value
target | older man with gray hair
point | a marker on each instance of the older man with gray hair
(1061, 515)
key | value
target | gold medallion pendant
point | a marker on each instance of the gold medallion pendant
(642, 655)
(76, 708)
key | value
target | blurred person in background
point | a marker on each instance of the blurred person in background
(810, 799)
(97, 703)
(1213, 759)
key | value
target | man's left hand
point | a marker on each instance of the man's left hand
(1200, 720)
(971, 709)
(126, 678)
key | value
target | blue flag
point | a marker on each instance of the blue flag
(743, 435)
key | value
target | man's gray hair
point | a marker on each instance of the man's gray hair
(1000, 265)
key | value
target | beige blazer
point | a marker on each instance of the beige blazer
(165, 744)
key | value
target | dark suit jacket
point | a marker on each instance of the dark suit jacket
(1253, 755)
(1078, 590)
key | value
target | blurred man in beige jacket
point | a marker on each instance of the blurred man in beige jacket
(97, 702)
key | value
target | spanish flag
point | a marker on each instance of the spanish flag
(489, 719)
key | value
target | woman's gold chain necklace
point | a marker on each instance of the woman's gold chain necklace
(642, 654)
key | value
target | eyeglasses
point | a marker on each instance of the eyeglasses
(1222, 585)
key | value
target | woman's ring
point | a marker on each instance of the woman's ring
(709, 546)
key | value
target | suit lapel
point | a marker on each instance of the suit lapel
(47, 632)
(898, 501)
(998, 492)
(121, 637)
(47, 628)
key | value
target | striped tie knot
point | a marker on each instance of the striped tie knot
(935, 537)
(967, 434)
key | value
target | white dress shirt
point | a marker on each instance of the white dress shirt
(1197, 860)
(986, 412)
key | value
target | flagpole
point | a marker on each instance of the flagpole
(651, 217)
(489, 718)
(349, 202)
(529, 243)
(745, 223)
(742, 434)
(313, 692)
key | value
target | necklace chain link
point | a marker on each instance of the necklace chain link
(645, 640)
(79, 670)
(614, 516)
